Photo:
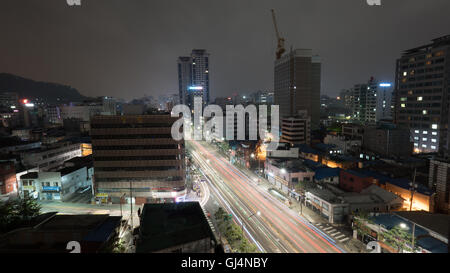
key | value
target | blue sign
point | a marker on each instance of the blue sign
(48, 188)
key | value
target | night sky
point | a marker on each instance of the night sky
(129, 48)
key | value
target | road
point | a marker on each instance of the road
(277, 229)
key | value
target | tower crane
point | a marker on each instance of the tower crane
(280, 46)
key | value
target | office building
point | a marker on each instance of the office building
(135, 157)
(422, 100)
(297, 84)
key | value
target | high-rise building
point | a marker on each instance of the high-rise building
(135, 157)
(422, 100)
(297, 84)
(193, 77)
(370, 102)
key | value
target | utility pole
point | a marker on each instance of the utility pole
(131, 208)
(413, 189)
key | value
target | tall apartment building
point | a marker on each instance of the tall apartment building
(296, 129)
(422, 100)
(193, 77)
(370, 102)
(297, 84)
(439, 181)
(136, 157)
(364, 104)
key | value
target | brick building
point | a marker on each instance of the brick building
(8, 182)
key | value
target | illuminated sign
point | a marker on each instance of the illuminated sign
(385, 85)
(195, 88)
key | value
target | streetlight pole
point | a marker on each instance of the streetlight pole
(242, 222)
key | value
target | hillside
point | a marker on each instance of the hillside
(48, 92)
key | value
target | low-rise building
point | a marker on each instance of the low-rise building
(286, 173)
(345, 144)
(175, 228)
(430, 231)
(336, 205)
(46, 158)
(52, 232)
(8, 182)
(57, 184)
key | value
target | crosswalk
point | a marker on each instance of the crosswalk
(333, 232)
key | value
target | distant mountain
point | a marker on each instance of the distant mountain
(45, 91)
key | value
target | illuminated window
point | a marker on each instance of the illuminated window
(424, 139)
(439, 53)
(424, 146)
(403, 99)
(425, 132)
(416, 144)
(410, 92)
(416, 138)
(433, 147)
(429, 55)
(405, 74)
(416, 131)
(424, 112)
(434, 126)
(419, 98)
(403, 105)
(428, 63)
(434, 133)
(404, 80)
(433, 140)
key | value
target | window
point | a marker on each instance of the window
(424, 112)
(433, 140)
(425, 132)
(433, 147)
(424, 146)
(419, 98)
(434, 133)
(424, 139)
(434, 126)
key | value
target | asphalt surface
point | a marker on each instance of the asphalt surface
(277, 229)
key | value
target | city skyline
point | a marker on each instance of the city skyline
(127, 55)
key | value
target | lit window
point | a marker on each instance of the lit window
(416, 138)
(424, 139)
(433, 147)
(416, 144)
(425, 132)
(433, 140)
(403, 105)
(424, 112)
(434, 133)
(424, 146)
(416, 131)
(405, 74)
(434, 126)
(419, 98)
(403, 99)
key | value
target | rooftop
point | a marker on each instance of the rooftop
(171, 224)
(424, 236)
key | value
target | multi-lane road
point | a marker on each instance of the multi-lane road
(276, 228)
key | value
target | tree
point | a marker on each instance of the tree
(399, 239)
(14, 213)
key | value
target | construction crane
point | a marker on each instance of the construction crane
(280, 46)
